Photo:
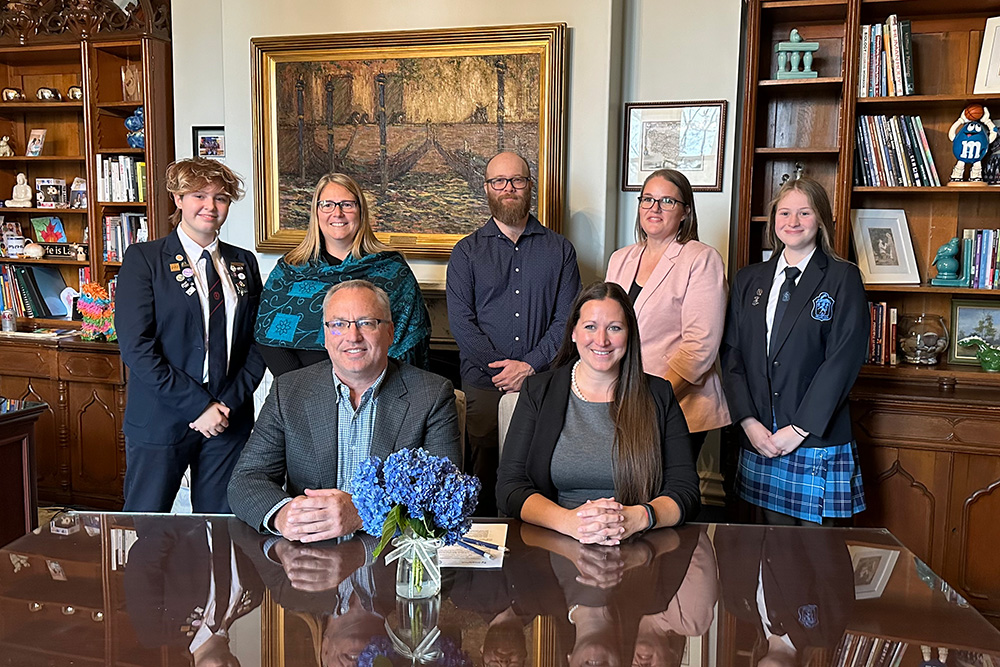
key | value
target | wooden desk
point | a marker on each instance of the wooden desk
(18, 492)
(689, 591)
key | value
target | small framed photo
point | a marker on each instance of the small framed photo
(35, 142)
(972, 317)
(686, 136)
(883, 245)
(209, 141)
(872, 569)
(988, 73)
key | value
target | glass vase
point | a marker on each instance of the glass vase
(922, 338)
(418, 570)
(414, 629)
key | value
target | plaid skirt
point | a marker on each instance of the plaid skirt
(810, 483)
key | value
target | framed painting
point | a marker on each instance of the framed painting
(872, 569)
(414, 117)
(686, 136)
(208, 141)
(882, 243)
(972, 317)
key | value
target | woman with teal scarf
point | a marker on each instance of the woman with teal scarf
(339, 245)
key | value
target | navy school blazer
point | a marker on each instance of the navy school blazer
(161, 335)
(822, 342)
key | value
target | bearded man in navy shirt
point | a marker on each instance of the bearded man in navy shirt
(511, 286)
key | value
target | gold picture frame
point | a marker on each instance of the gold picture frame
(413, 116)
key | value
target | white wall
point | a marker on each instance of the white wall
(620, 50)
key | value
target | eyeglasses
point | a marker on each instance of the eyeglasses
(364, 325)
(519, 182)
(327, 206)
(666, 203)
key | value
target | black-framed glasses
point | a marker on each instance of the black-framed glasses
(518, 182)
(364, 325)
(666, 203)
(346, 206)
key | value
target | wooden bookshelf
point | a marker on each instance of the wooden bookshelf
(80, 453)
(929, 437)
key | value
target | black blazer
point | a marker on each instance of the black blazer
(161, 337)
(822, 343)
(525, 468)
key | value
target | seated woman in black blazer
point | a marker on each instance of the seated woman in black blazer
(583, 455)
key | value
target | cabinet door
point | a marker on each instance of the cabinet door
(973, 542)
(96, 442)
(907, 492)
(52, 454)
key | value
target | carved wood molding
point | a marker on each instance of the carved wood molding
(979, 495)
(897, 469)
(28, 22)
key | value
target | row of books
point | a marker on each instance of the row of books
(893, 151)
(886, 60)
(985, 269)
(120, 178)
(121, 231)
(32, 291)
(866, 651)
(882, 340)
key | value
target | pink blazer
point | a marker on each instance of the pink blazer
(682, 311)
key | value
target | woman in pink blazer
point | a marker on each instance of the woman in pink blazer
(678, 287)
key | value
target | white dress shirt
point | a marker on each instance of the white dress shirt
(776, 283)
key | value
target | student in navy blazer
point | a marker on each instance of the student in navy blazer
(788, 388)
(172, 419)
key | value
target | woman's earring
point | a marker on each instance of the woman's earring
(573, 339)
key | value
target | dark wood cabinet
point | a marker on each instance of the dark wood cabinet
(80, 450)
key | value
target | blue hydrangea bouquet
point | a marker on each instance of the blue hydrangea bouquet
(420, 503)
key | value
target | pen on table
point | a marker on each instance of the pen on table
(488, 545)
(478, 552)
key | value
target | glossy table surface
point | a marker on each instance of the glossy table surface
(120, 589)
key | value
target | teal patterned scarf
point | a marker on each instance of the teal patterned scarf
(291, 307)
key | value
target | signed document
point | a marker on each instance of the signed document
(459, 556)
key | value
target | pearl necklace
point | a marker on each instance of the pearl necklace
(575, 386)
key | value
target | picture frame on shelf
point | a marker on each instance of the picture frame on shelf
(988, 72)
(686, 136)
(968, 317)
(36, 140)
(414, 117)
(873, 567)
(209, 141)
(884, 248)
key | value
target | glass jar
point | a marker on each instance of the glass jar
(922, 337)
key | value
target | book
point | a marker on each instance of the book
(50, 285)
(906, 39)
(35, 142)
(51, 193)
(49, 229)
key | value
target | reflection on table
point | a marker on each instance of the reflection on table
(119, 589)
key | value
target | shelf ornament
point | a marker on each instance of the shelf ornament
(793, 53)
(970, 135)
(988, 355)
(98, 312)
(947, 262)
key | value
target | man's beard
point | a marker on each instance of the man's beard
(512, 211)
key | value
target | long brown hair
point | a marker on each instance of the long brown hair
(365, 241)
(638, 465)
(688, 230)
(819, 202)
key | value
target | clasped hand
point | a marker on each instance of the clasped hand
(314, 569)
(512, 375)
(213, 421)
(320, 514)
(784, 441)
(606, 521)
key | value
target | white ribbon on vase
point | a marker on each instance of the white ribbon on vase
(414, 547)
(424, 652)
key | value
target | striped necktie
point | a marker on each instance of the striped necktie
(217, 357)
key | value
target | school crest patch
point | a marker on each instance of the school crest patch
(809, 616)
(823, 307)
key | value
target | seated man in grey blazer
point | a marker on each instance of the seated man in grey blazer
(295, 475)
